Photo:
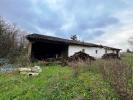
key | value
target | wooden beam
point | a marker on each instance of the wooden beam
(30, 50)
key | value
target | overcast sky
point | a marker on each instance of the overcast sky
(107, 22)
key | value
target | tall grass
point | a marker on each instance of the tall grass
(118, 73)
(98, 80)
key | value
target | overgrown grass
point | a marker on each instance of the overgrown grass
(56, 83)
(15, 86)
(101, 80)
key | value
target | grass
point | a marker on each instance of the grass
(85, 82)
(15, 86)
(56, 83)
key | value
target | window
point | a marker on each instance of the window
(96, 51)
(113, 51)
(83, 50)
(106, 51)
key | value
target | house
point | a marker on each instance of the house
(42, 47)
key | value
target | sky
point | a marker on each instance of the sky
(106, 22)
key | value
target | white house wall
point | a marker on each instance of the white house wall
(89, 50)
(110, 51)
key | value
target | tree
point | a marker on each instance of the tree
(11, 39)
(7, 38)
(74, 37)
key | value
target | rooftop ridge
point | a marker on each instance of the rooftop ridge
(35, 36)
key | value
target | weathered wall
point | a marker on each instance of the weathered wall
(89, 50)
(111, 51)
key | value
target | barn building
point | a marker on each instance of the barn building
(42, 47)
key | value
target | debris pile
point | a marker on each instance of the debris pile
(81, 56)
(110, 56)
(7, 68)
(33, 71)
(3, 62)
(77, 57)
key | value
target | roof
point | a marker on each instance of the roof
(39, 37)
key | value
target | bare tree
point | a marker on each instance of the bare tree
(7, 38)
(11, 39)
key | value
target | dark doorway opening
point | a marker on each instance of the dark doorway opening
(44, 50)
